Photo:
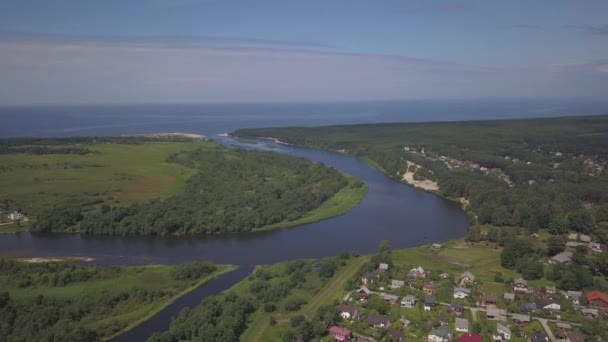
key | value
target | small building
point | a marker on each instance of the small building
(347, 311)
(574, 244)
(466, 278)
(417, 272)
(462, 324)
(364, 293)
(369, 278)
(579, 237)
(529, 307)
(598, 300)
(396, 335)
(550, 289)
(563, 325)
(520, 286)
(461, 292)
(470, 337)
(538, 337)
(502, 333)
(429, 303)
(574, 337)
(496, 314)
(552, 307)
(490, 300)
(389, 298)
(396, 284)
(590, 313)
(429, 288)
(379, 321)
(442, 333)
(408, 301)
(436, 246)
(444, 275)
(383, 267)
(406, 322)
(339, 333)
(16, 216)
(574, 296)
(509, 296)
(521, 319)
(561, 258)
(597, 247)
(456, 309)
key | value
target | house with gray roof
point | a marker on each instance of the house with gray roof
(396, 284)
(561, 258)
(461, 324)
(442, 333)
(466, 278)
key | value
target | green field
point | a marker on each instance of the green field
(116, 174)
(341, 203)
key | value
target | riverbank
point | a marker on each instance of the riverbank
(341, 203)
(409, 176)
(42, 260)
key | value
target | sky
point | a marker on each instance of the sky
(187, 51)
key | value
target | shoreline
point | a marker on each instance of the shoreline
(43, 260)
(168, 134)
(426, 184)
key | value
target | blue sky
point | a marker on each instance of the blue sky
(82, 51)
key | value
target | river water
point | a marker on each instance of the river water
(390, 211)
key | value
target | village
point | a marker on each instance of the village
(423, 305)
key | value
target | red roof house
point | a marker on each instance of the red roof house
(598, 300)
(470, 337)
(339, 333)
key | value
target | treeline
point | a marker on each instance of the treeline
(41, 317)
(556, 165)
(76, 145)
(233, 191)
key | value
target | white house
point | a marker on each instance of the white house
(15, 216)
(396, 284)
(347, 311)
(501, 333)
(461, 324)
(408, 301)
(552, 307)
(461, 292)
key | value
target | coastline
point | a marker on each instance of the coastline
(44, 260)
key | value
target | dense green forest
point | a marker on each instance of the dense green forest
(231, 191)
(61, 302)
(536, 173)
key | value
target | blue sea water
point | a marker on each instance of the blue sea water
(212, 119)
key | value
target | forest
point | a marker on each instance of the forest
(533, 173)
(230, 191)
(63, 302)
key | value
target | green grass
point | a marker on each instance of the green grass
(341, 203)
(117, 173)
(374, 164)
(153, 277)
(13, 227)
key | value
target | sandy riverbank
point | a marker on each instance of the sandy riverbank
(55, 259)
(425, 184)
(172, 134)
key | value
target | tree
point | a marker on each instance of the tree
(498, 277)
(328, 268)
(581, 221)
(555, 245)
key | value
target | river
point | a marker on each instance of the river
(390, 211)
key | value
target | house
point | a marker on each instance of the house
(509, 296)
(461, 292)
(347, 311)
(408, 301)
(369, 278)
(389, 298)
(417, 272)
(490, 300)
(429, 303)
(574, 337)
(501, 333)
(529, 307)
(379, 321)
(597, 247)
(579, 237)
(396, 284)
(574, 244)
(518, 318)
(442, 333)
(590, 313)
(339, 333)
(538, 338)
(364, 293)
(496, 314)
(563, 325)
(470, 337)
(574, 296)
(462, 324)
(429, 288)
(383, 267)
(444, 319)
(520, 286)
(598, 300)
(436, 246)
(552, 307)
(406, 322)
(466, 278)
(396, 335)
(16, 216)
(550, 289)
(456, 308)
(561, 258)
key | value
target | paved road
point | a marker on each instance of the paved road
(545, 324)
